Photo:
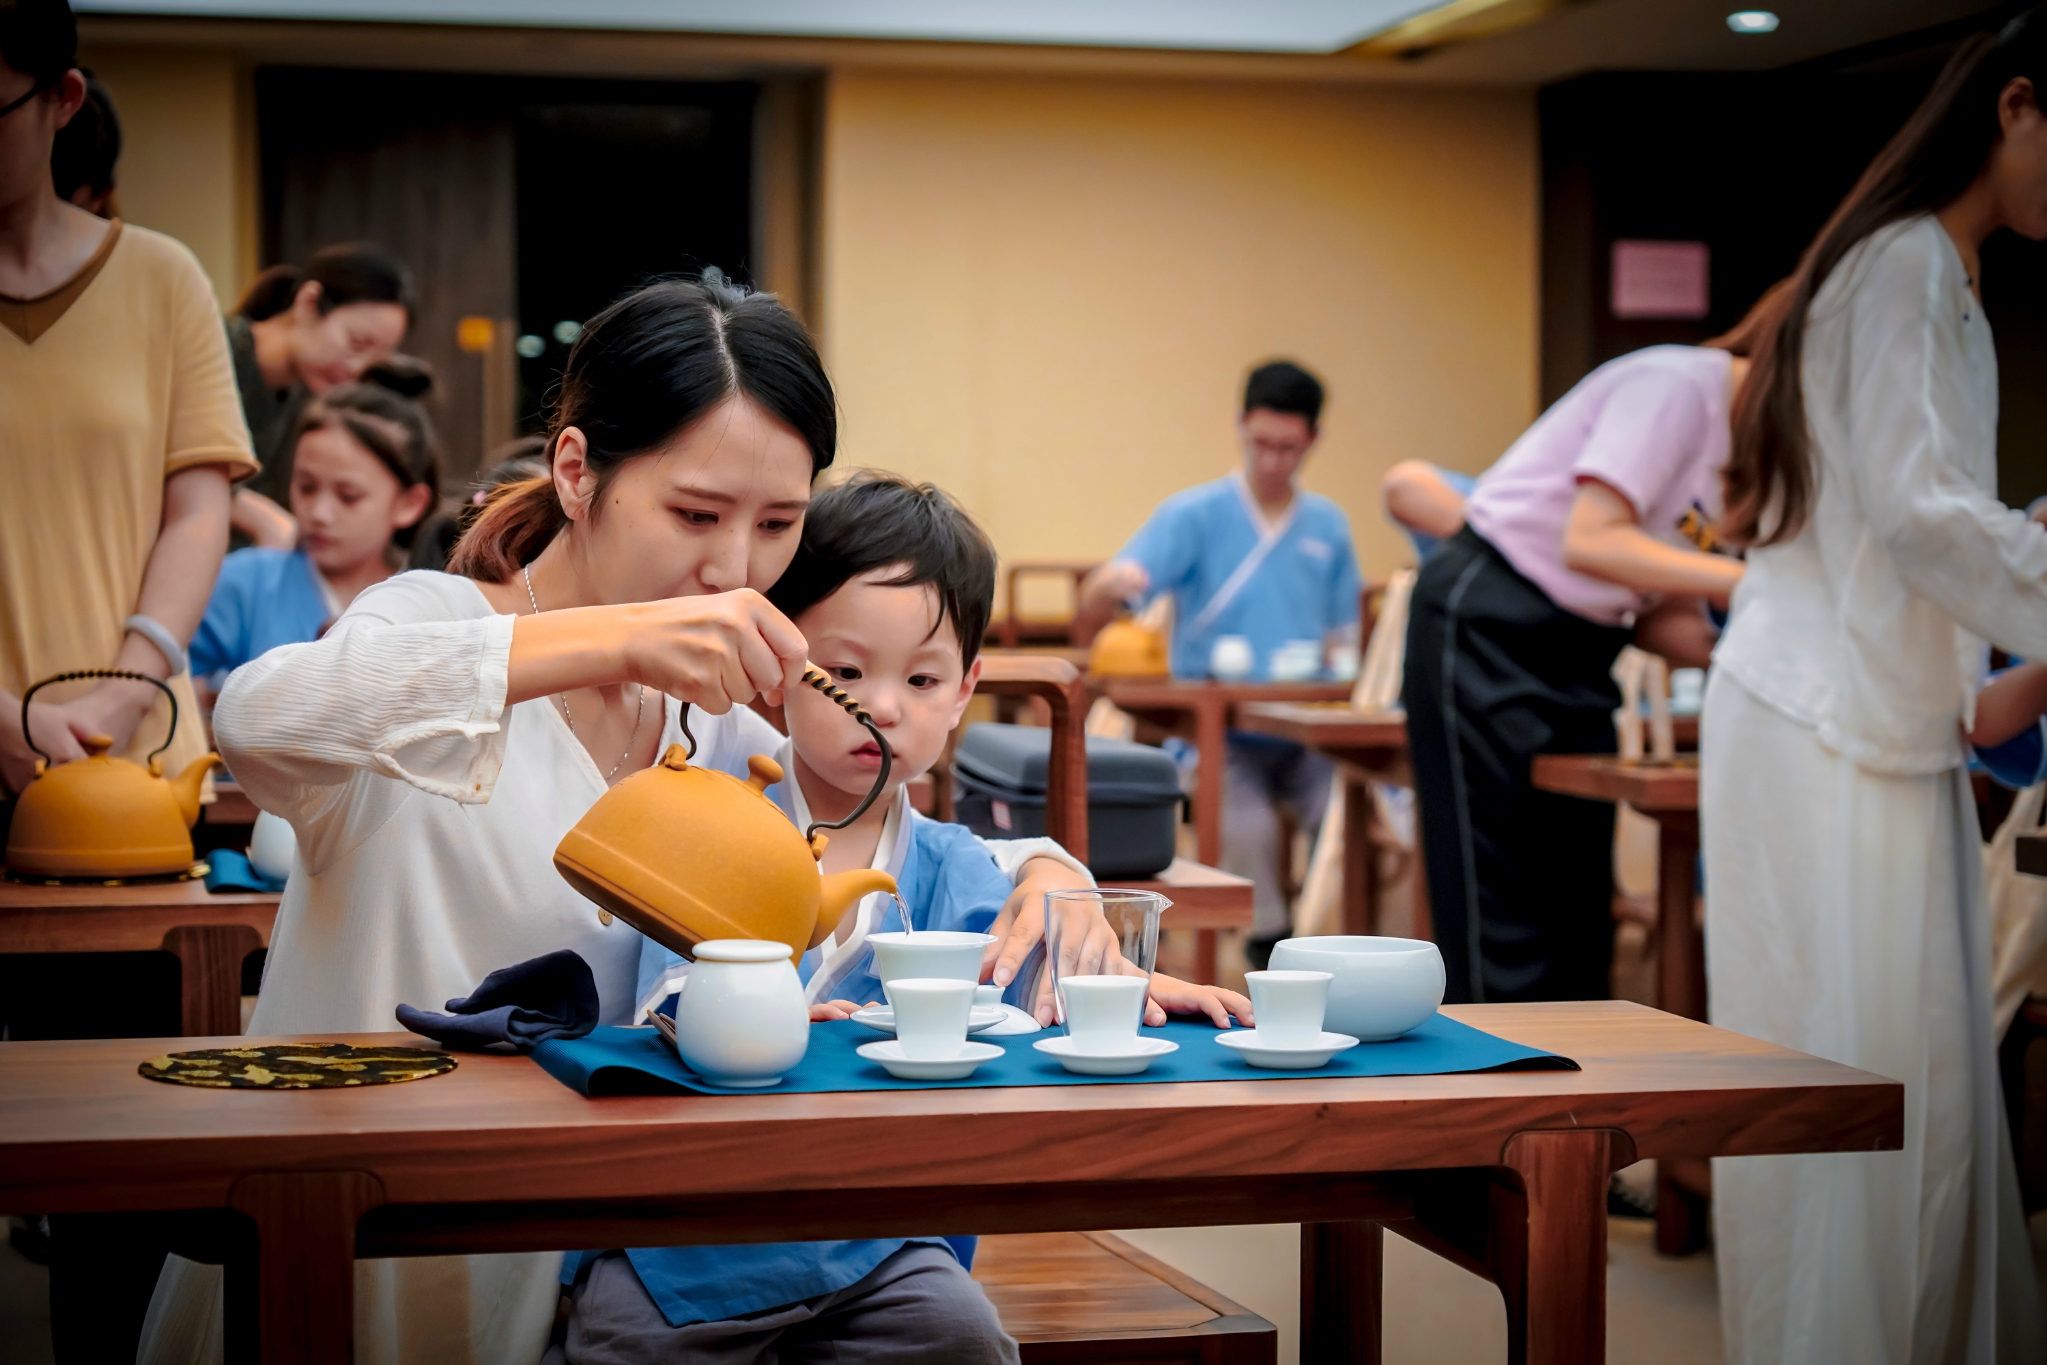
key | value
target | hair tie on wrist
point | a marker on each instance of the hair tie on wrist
(152, 630)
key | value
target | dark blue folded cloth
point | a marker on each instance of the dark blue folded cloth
(553, 996)
(227, 870)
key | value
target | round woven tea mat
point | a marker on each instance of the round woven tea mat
(296, 1066)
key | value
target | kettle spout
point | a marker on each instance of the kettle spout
(185, 786)
(839, 893)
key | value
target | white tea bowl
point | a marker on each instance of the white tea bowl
(928, 953)
(1380, 987)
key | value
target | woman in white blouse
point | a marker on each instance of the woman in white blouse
(1845, 911)
(436, 745)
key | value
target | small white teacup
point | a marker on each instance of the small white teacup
(927, 954)
(931, 1016)
(1289, 1006)
(1103, 1012)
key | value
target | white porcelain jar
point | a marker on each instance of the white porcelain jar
(742, 1019)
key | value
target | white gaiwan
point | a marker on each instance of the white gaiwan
(1382, 987)
(742, 1020)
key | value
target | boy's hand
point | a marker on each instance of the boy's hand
(1021, 927)
(832, 1009)
(1170, 995)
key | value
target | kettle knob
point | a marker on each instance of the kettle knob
(765, 772)
(96, 746)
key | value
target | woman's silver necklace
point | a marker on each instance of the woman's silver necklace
(638, 716)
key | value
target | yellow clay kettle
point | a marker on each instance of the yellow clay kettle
(687, 854)
(102, 817)
(1127, 648)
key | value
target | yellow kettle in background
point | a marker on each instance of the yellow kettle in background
(1128, 648)
(102, 817)
(687, 854)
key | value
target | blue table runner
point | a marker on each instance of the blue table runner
(621, 1061)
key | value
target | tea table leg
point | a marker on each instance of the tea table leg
(305, 1260)
(1341, 1265)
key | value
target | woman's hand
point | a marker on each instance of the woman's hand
(1088, 942)
(53, 732)
(1170, 995)
(714, 652)
(829, 1010)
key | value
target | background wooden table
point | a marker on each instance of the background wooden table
(209, 935)
(1207, 711)
(1504, 1173)
(1669, 795)
(1367, 747)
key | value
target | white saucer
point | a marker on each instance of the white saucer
(1140, 1056)
(882, 1018)
(890, 1055)
(1245, 1043)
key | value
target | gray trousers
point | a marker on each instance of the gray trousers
(1262, 776)
(918, 1305)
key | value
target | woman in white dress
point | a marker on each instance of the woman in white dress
(1845, 911)
(436, 745)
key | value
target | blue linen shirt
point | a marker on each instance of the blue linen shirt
(949, 881)
(1307, 586)
(262, 599)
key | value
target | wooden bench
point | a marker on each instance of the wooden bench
(1090, 1297)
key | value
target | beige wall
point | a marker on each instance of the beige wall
(1043, 293)
(187, 159)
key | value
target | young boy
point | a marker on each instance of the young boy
(892, 589)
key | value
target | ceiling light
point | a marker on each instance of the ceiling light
(1752, 21)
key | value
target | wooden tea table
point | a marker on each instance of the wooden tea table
(1504, 1173)
(209, 934)
(1667, 793)
(1366, 747)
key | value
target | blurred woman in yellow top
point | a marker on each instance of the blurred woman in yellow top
(120, 430)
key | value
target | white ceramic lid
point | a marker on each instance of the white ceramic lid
(741, 950)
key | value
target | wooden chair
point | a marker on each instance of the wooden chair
(1073, 1297)
(1013, 630)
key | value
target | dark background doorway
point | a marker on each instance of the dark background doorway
(532, 202)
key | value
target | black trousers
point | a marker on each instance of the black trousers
(1520, 881)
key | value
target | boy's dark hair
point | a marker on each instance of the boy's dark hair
(39, 39)
(87, 147)
(1284, 386)
(874, 520)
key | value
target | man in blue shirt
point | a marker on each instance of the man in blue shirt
(1264, 586)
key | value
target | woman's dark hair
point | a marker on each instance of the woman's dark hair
(1283, 386)
(643, 370)
(87, 147)
(408, 376)
(352, 272)
(39, 39)
(874, 520)
(1770, 475)
(392, 428)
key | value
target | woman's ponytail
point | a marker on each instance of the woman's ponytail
(516, 523)
(271, 293)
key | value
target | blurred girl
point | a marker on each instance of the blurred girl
(302, 331)
(1847, 914)
(363, 475)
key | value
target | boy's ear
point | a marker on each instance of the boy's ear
(968, 681)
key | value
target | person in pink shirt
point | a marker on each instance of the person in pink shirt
(1593, 531)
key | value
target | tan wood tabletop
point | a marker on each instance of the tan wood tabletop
(209, 934)
(1203, 898)
(1505, 1173)
(1667, 793)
